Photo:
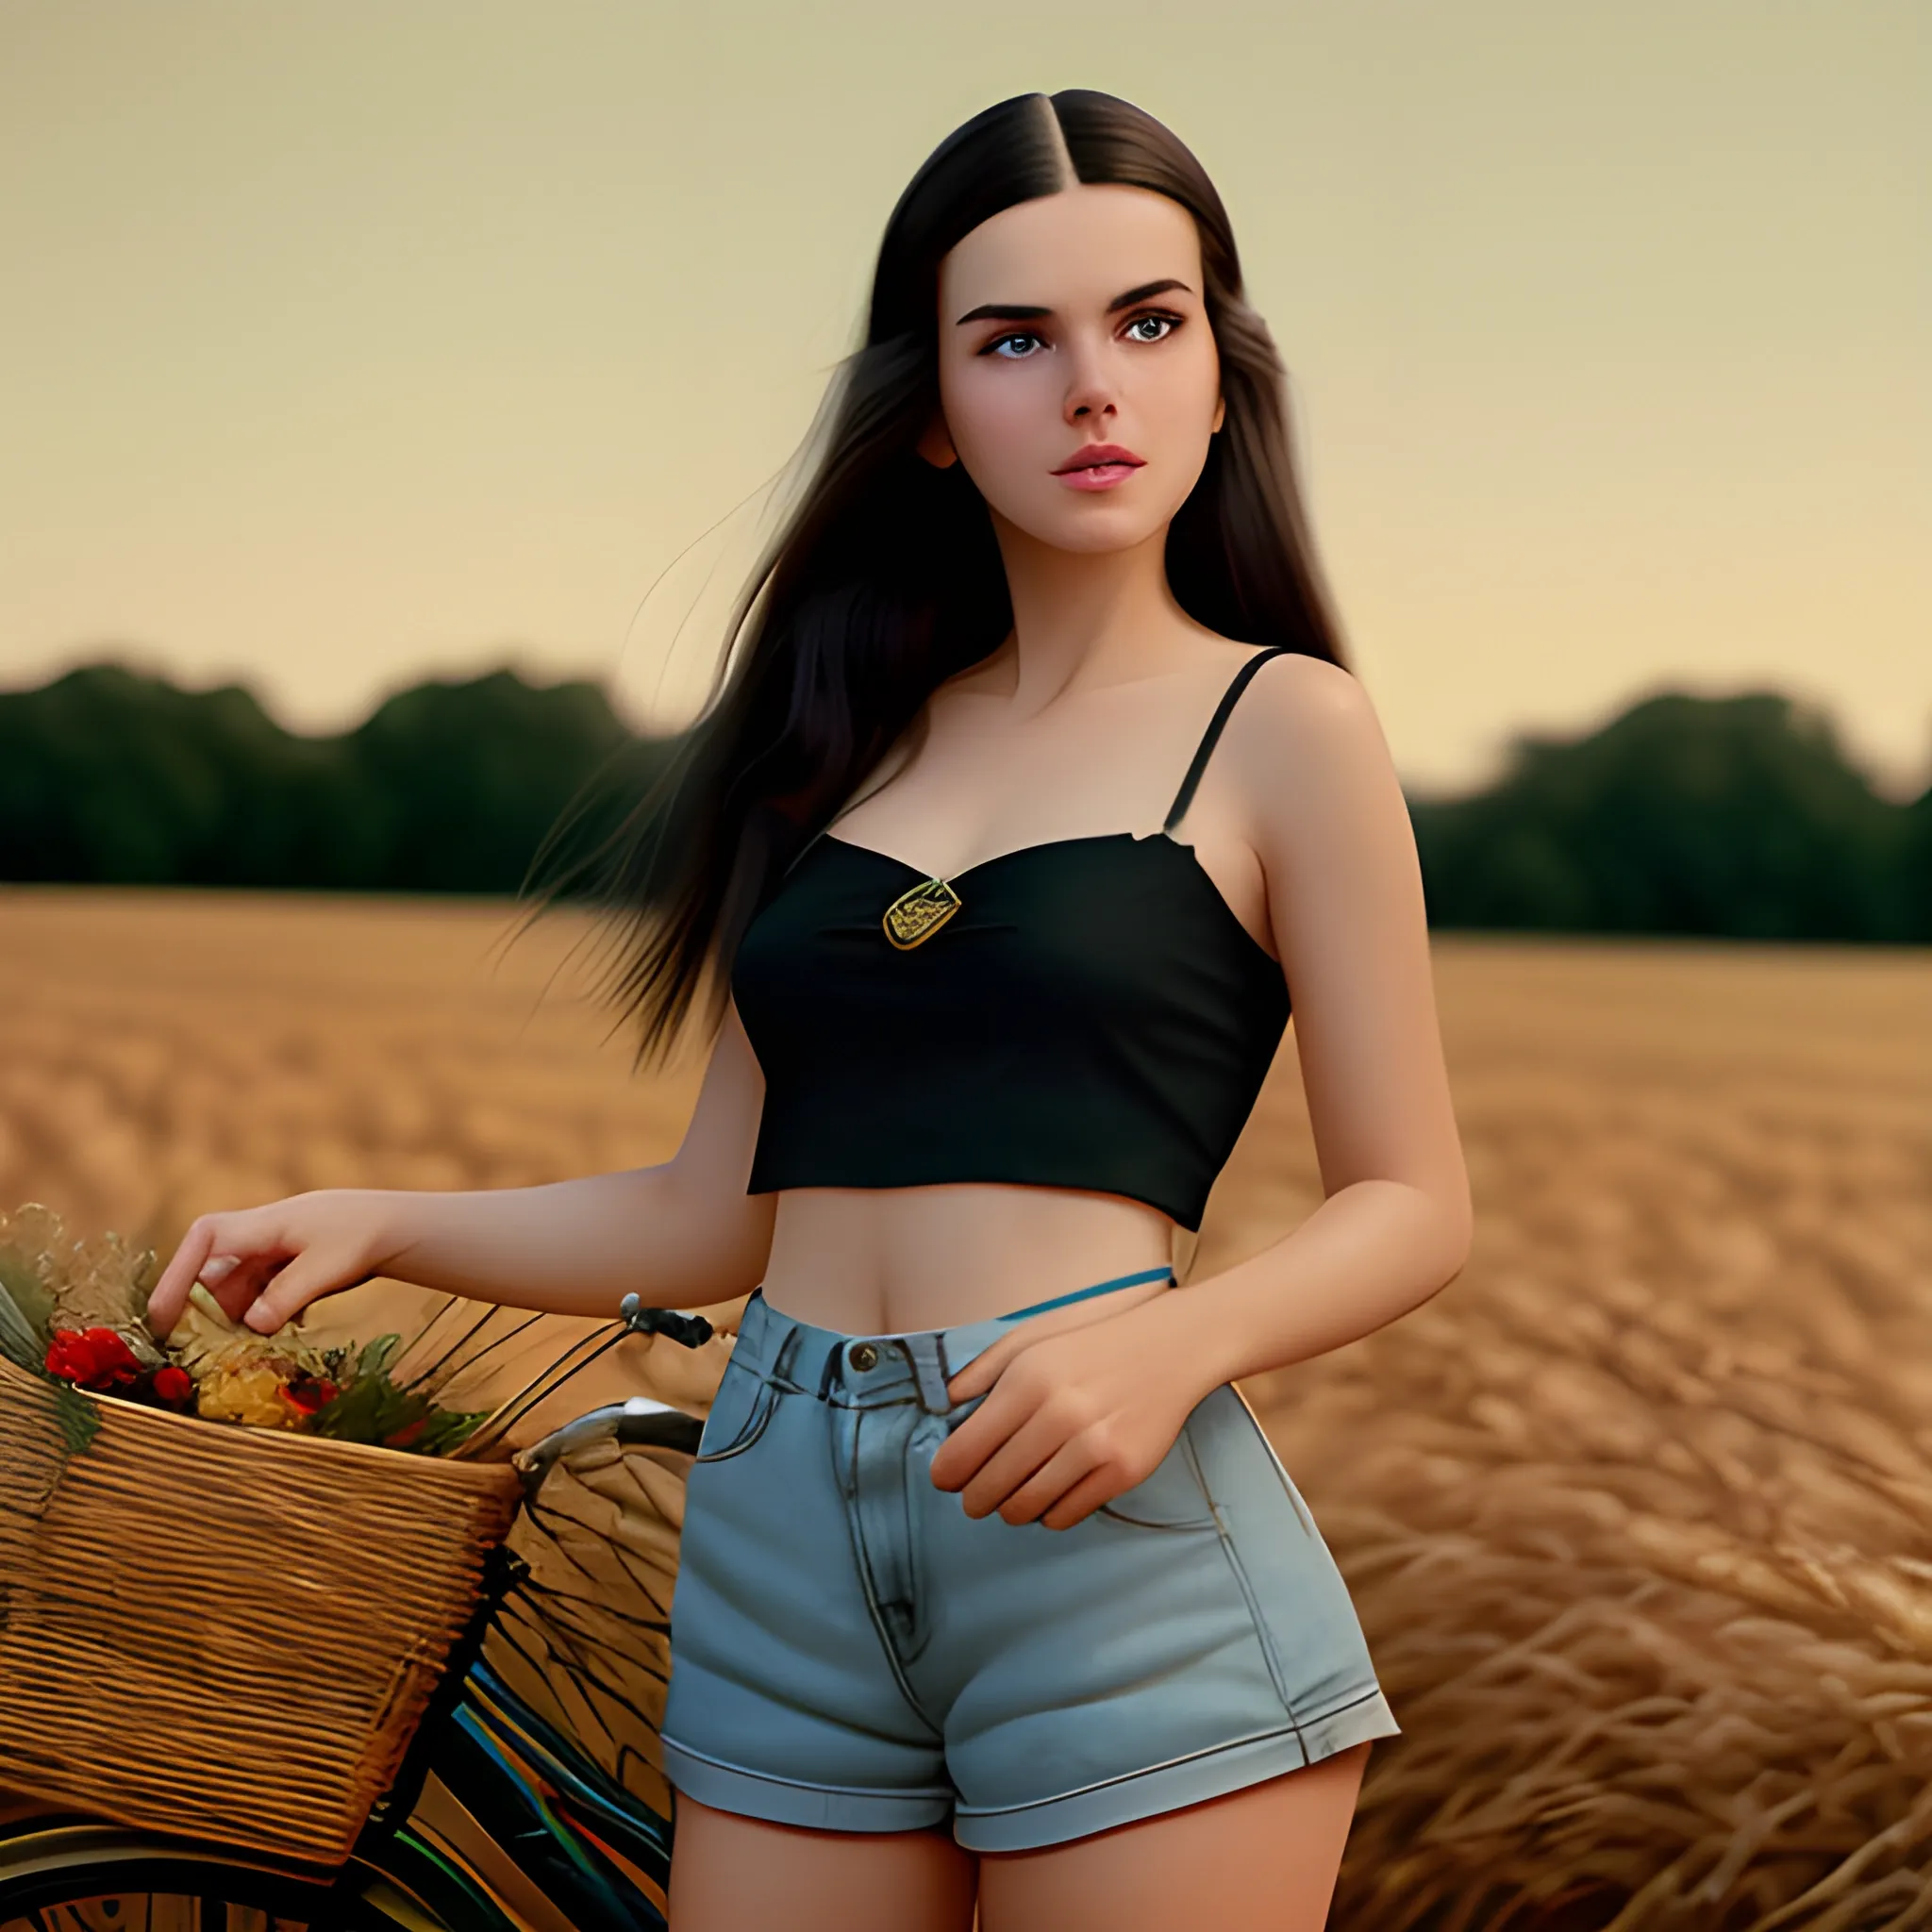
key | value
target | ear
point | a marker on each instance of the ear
(936, 445)
(1219, 415)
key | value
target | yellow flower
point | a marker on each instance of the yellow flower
(246, 1394)
(204, 1342)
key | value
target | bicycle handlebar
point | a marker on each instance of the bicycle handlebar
(688, 1331)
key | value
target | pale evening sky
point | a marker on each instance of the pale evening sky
(347, 344)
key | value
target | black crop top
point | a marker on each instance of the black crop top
(1083, 1013)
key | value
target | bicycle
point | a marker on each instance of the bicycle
(498, 1818)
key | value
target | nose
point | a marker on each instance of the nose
(1093, 397)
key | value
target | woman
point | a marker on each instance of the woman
(990, 1588)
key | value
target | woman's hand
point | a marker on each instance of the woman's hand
(1076, 1418)
(265, 1265)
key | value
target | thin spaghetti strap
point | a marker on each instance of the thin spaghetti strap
(1185, 796)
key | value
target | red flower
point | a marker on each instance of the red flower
(95, 1357)
(307, 1394)
(174, 1385)
(402, 1438)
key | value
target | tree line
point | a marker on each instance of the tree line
(1737, 817)
(108, 777)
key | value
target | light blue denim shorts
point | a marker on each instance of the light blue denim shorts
(850, 1651)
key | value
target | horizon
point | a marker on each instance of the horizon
(1419, 790)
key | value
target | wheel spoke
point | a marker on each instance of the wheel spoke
(152, 1912)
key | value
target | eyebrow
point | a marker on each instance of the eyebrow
(1020, 312)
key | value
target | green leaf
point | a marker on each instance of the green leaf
(80, 1421)
(21, 1279)
(367, 1410)
(445, 1429)
(371, 1407)
(377, 1354)
(20, 1339)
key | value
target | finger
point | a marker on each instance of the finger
(235, 1292)
(983, 1371)
(1072, 1464)
(170, 1295)
(1100, 1484)
(1007, 1399)
(307, 1278)
(229, 1254)
(1022, 1456)
(960, 1454)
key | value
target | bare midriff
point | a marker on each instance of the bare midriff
(893, 1260)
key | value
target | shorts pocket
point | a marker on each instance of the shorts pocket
(1257, 1443)
(1174, 1496)
(741, 1412)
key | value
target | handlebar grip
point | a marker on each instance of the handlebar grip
(688, 1331)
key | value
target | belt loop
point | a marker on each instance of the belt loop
(928, 1368)
(829, 1373)
(752, 1345)
(780, 1372)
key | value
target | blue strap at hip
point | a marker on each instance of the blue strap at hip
(1080, 1294)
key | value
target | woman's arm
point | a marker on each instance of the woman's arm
(681, 1235)
(1071, 1422)
(1345, 908)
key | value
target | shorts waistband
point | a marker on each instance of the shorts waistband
(879, 1371)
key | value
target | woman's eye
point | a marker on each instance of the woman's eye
(1163, 326)
(1003, 345)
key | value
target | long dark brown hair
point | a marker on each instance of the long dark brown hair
(885, 579)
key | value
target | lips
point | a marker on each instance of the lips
(1099, 466)
(1100, 455)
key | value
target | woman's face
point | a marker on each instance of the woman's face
(1069, 321)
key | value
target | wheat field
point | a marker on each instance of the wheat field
(1638, 1512)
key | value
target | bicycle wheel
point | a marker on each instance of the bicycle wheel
(80, 1877)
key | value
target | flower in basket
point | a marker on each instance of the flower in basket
(242, 1394)
(98, 1359)
(172, 1388)
(72, 1314)
(239, 1377)
(285, 1382)
(204, 1340)
(62, 1286)
(75, 1314)
(231, 1374)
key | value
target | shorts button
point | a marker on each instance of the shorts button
(862, 1355)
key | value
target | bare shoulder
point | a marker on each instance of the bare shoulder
(1308, 774)
(1295, 688)
(1304, 720)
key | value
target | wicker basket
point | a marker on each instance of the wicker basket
(226, 1632)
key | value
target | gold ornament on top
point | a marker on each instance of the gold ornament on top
(914, 916)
